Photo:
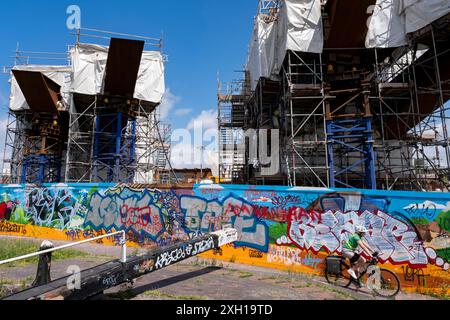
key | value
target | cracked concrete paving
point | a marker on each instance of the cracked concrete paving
(197, 279)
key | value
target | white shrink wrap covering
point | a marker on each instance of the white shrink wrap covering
(261, 51)
(420, 13)
(59, 74)
(89, 66)
(297, 27)
(150, 82)
(393, 20)
(387, 26)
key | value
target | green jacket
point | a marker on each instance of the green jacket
(352, 242)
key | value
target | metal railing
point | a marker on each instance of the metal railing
(123, 244)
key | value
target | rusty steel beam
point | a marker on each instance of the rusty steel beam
(347, 20)
(40, 92)
(122, 67)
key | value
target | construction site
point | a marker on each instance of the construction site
(356, 89)
(333, 153)
(93, 118)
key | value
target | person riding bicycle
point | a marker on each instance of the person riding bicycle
(350, 248)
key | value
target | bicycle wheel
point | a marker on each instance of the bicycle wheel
(389, 284)
(340, 278)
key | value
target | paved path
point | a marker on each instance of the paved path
(200, 279)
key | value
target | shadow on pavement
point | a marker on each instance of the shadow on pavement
(170, 281)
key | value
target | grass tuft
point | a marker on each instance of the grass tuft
(11, 248)
(159, 294)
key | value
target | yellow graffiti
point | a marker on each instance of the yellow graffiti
(30, 231)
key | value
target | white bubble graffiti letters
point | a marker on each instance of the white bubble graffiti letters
(396, 241)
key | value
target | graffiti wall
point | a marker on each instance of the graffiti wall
(285, 228)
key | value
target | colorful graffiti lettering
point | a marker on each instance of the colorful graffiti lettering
(413, 275)
(284, 228)
(209, 216)
(55, 208)
(396, 241)
(292, 257)
(126, 210)
(8, 227)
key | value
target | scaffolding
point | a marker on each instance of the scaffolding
(96, 138)
(231, 102)
(34, 141)
(115, 138)
(353, 117)
(411, 112)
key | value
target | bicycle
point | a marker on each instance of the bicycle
(336, 273)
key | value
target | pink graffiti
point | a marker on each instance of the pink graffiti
(141, 219)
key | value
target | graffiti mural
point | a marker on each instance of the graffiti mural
(397, 242)
(125, 209)
(280, 227)
(55, 207)
(209, 216)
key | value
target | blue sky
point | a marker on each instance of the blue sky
(201, 38)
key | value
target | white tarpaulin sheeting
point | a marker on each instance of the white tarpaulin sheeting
(297, 27)
(262, 50)
(392, 20)
(89, 64)
(59, 74)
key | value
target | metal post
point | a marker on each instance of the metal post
(370, 157)
(330, 150)
(95, 148)
(133, 157)
(116, 177)
(324, 104)
(23, 179)
(42, 161)
(45, 260)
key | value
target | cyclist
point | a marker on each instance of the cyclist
(349, 251)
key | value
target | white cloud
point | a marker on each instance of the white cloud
(188, 156)
(206, 120)
(182, 112)
(187, 143)
(169, 101)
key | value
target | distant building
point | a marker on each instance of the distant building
(185, 176)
